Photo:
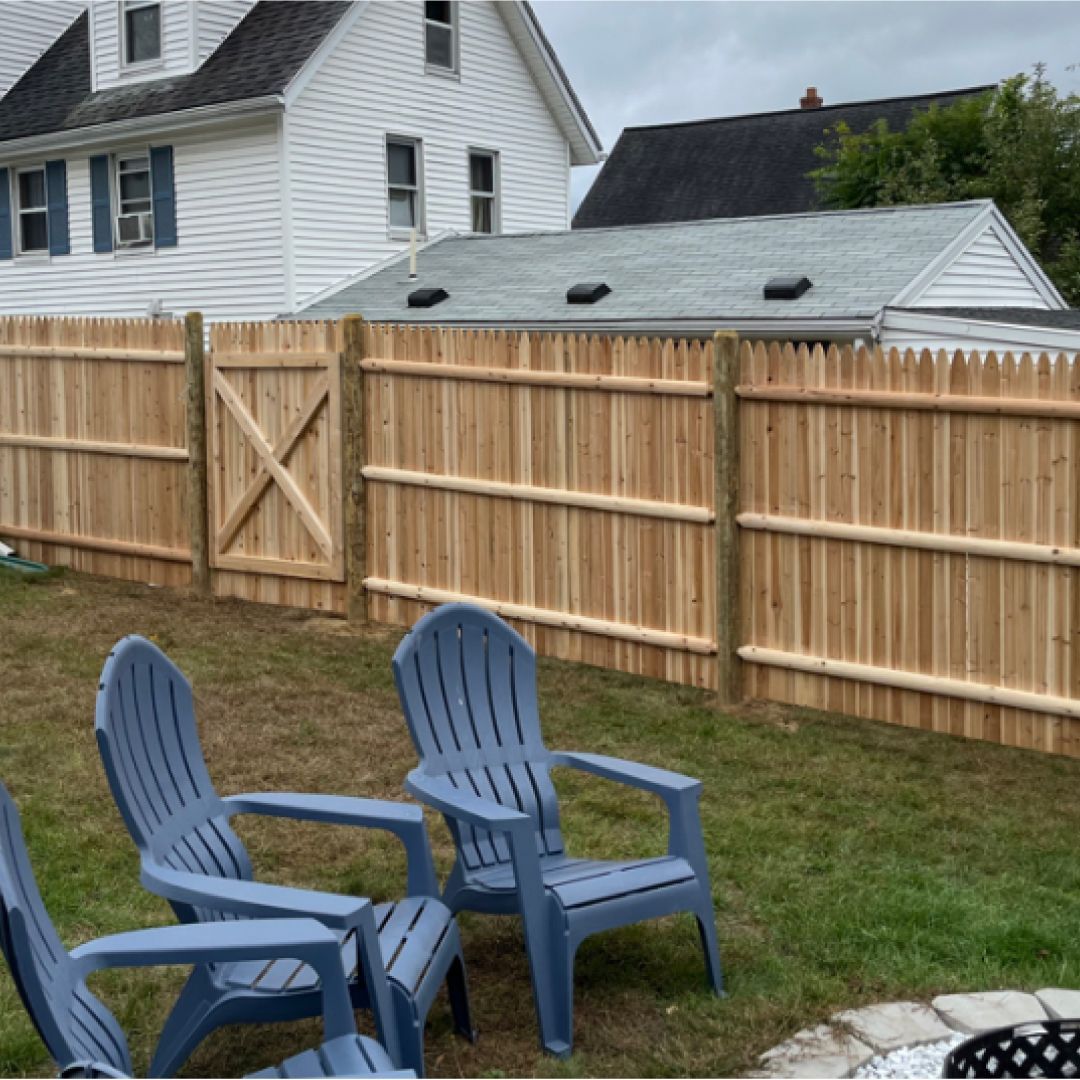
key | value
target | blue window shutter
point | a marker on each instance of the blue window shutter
(5, 214)
(164, 192)
(101, 203)
(56, 201)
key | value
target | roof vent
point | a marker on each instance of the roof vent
(786, 288)
(587, 293)
(427, 297)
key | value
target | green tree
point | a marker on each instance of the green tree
(1018, 145)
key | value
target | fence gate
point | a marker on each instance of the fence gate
(274, 412)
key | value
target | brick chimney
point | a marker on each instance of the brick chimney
(812, 100)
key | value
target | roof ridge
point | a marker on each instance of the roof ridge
(700, 222)
(968, 91)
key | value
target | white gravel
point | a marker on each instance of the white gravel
(910, 1062)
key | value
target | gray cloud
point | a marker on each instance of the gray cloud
(650, 62)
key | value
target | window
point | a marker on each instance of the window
(483, 191)
(134, 206)
(403, 185)
(33, 213)
(141, 31)
(440, 35)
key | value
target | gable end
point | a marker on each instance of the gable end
(992, 270)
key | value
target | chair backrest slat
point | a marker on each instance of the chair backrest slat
(467, 684)
(150, 747)
(72, 1023)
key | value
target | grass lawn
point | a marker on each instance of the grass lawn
(852, 862)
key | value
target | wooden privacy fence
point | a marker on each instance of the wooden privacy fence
(910, 546)
(563, 481)
(93, 445)
(890, 536)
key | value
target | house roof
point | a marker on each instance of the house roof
(734, 166)
(262, 56)
(1066, 319)
(259, 58)
(662, 275)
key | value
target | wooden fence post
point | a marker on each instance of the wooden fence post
(352, 422)
(195, 358)
(726, 478)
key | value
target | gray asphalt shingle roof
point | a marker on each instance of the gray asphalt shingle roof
(858, 261)
(259, 58)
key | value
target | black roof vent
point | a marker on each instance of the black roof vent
(788, 287)
(427, 297)
(587, 293)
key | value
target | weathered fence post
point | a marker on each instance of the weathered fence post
(726, 478)
(352, 422)
(195, 358)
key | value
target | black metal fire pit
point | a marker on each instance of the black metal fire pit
(1048, 1048)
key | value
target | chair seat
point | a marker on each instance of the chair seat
(580, 882)
(350, 1055)
(411, 933)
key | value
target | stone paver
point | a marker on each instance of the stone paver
(899, 1023)
(977, 1012)
(1060, 1004)
(853, 1037)
(817, 1052)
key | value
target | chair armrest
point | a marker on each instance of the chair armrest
(487, 814)
(399, 819)
(259, 901)
(248, 939)
(254, 899)
(660, 782)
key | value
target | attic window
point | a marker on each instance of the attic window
(440, 35)
(425, 298)
(587, 293)
(141, 31)
(788, 287)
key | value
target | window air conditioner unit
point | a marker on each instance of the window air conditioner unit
(135, 228)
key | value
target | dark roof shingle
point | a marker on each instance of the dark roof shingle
(734, 166)
(259, 58)
(1066, 319)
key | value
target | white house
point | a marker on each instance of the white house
(242, 158)
(950, 276)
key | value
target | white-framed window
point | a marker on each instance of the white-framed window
(404, 190)
(140, 32)
(32, 211)
(441, 35)
(134, 204)
(484, 191)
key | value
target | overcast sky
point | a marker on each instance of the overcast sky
(661, 60)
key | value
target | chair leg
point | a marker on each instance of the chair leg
(410, 1029)
(191, 1020)
(559, 1041)
(459, 998)
(706, 920)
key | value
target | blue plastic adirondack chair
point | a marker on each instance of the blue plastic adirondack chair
(467, 683)
(80, 1033)
(396, 955)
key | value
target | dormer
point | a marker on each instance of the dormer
(134, 41)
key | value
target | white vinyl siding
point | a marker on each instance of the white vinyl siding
(227, 264)
(374, 84)
(985, 275)
(26, 31)
(177, 45)
(215, 21)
